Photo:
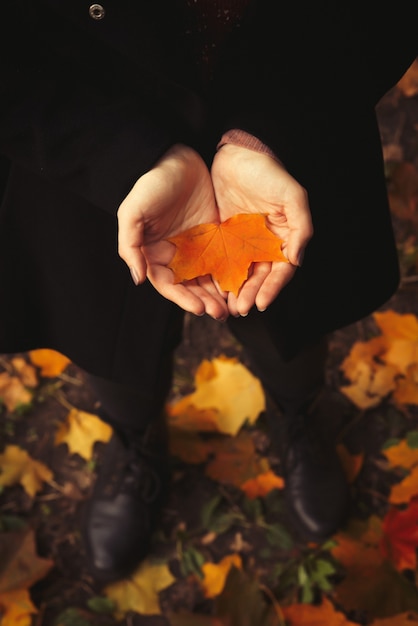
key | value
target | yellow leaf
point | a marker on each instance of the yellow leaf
(404, 619)
(397, 325)
(16, 466)
(324, 614)
(351, 463)
(401, 455)
(406, 489)
(262, 484)
(402, 353)
(140, 592)
(215, 574)
(13, 392)
(50, 362)
(80, 431)
(16, 608)
(373, 383)
(228, 390)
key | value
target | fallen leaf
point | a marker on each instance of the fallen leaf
(50, 362)
(399, 542)
(17, 466)
(139, 593)
(194, 619)
(397, 325)
(235, 460)
(215, 574)
(401, 455)
(404, 619)
(80, 431)
(371, 583)
(16, 608)
(225, 250)
(319, 615)
(262, 484)
(351, 463)
(408, 84)
(188, 446)
(406, 489)
(13, 392)
(406, 391)
(227, 395)
(27, 373)
(20, 566)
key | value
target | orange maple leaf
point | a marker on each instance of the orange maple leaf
(225, 250)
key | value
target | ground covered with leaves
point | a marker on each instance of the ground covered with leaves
(225, 553)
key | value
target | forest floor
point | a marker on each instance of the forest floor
(257, 530)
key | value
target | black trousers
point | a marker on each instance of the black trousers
(290, 383)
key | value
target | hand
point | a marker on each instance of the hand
(173, 196)
(246, 181)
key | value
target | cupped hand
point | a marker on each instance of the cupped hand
(173, 196)
(246, 181)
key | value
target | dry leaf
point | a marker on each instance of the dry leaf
(324, 614)
(188, 446)
(262, 484)
(400, 539)
(235, 460)
(351, 463)
(139, 593)
(20, 566)
(407, 387)
(371, 583)
(404, 619)
(227, 395)
(16, 466)
(408, 84)
(225, 250)
(401, 455)
(215, 574)
(16, 608)
(13, 393)
(50, 362)
(80, 431)
(406, 489)
(27, 373)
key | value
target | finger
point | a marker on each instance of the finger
(278, 278)
(130, 239)
(161, 278)
(249, 290)
(215, 303)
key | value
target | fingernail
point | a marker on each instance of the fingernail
(244, 314)
(261, 310)
(134, 275)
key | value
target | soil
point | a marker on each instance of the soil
(55, 513)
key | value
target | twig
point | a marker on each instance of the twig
(275, 604)
(59, 396)
(71, 379)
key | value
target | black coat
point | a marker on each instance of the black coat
(87, 106)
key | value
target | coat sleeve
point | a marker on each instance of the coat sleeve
(78, 112)
(294, 69)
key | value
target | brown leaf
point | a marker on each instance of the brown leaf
(225, 250)
(351, 463)
(324, 614)
(404, 619)
(406, 489)
(20, 566)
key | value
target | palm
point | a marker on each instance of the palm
(172, 197)
(250, 182)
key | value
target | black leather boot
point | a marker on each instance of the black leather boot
(316, 490)
(123, 510)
